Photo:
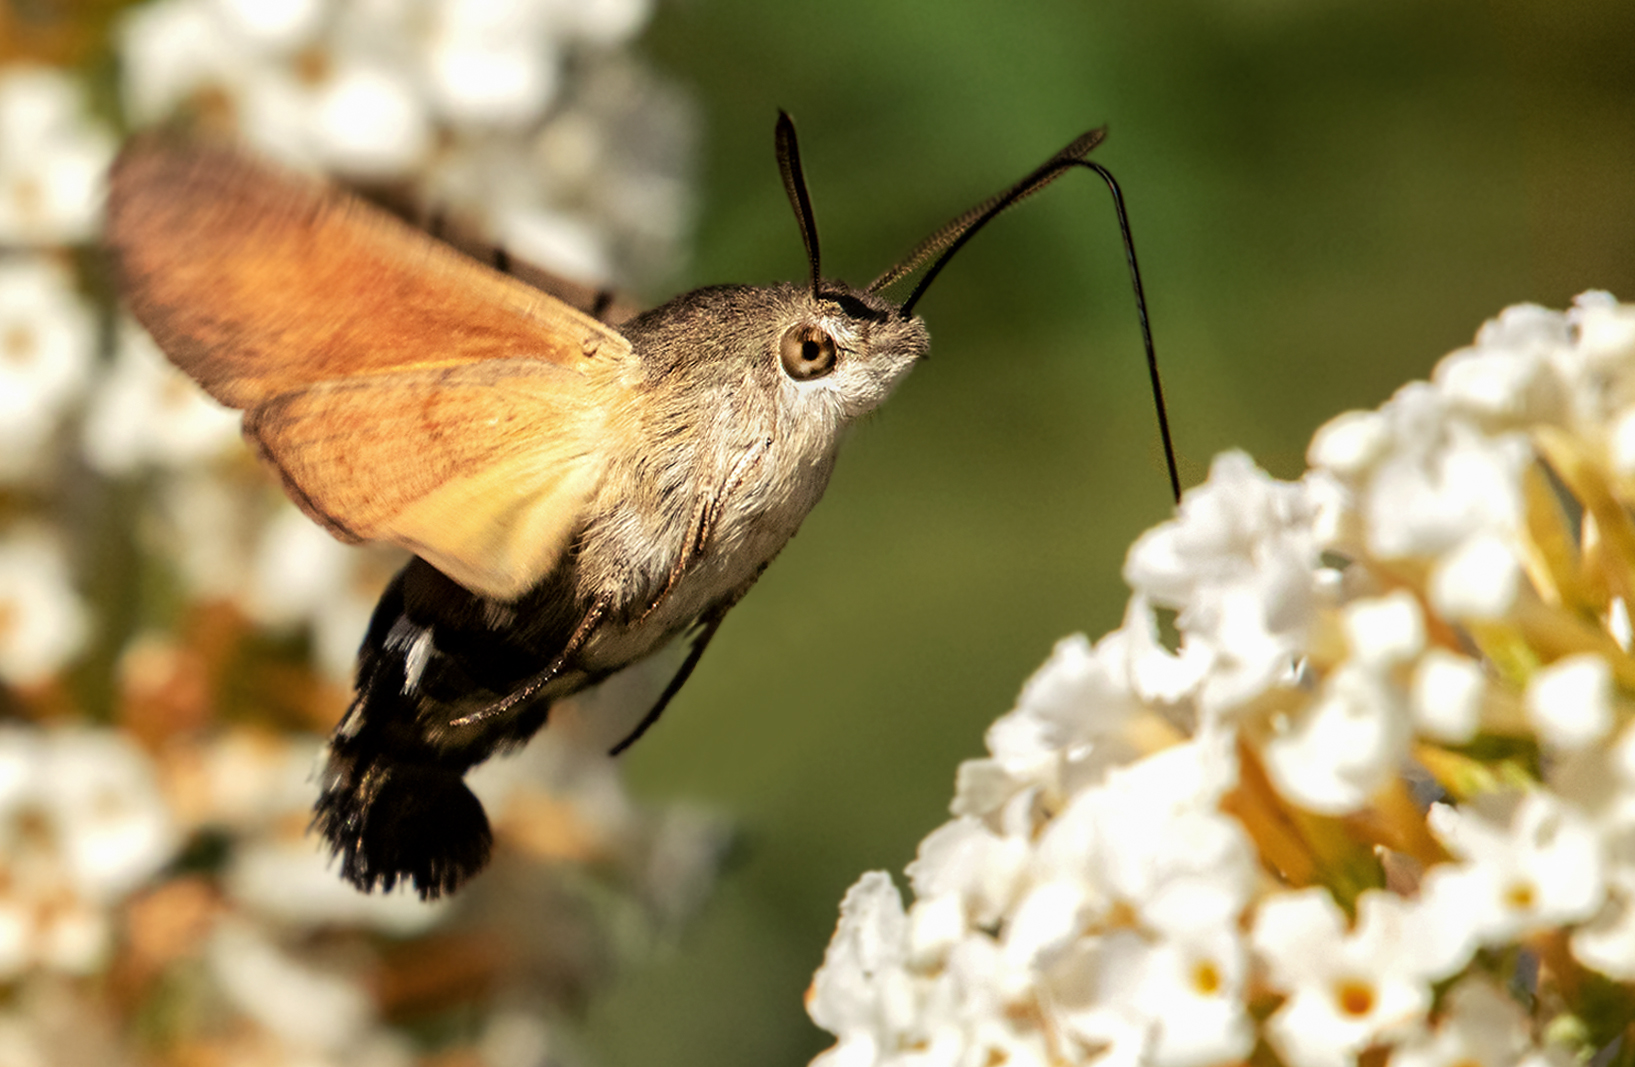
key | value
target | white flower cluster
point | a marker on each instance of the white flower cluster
(1377, 799)
(95, 878)
(175, 637)
(520, 114)
(524, 117)
(52, 159)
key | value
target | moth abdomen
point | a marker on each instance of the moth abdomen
(394, 805)
(391, 820)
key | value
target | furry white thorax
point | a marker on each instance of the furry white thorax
(759, 453)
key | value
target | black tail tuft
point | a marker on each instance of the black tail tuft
(391, 821)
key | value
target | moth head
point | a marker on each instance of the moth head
(845, 348)
(780, 353)
(856, 335)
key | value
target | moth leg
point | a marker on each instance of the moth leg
(526, 691)
(704, 520)
(712, 623)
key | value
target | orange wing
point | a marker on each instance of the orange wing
(256, 281)
(404, 392)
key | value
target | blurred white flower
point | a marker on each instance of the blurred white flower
(1447, 695)
(301, 576)
(367, 122)
(297, 566)
(1239, 564)
(52, 158)
(247, 782)
(1477, 580)
(554, 239)
(1570, 702)
(1600, 780)
(101, 794)
(291, 879)
(148, 413)
(1542, 867)
(82, 824)
(205, 526)
(43, 621)
(306, 1007)
(515, 1036)
(170, 50)
(601, 22)
(258, 788)
(1170, 1002)
(1479, 1027)
(281, 25)
(47, 339)
(1384, 631)
(514, 113)
(491, 63)
(1344, 745)
(1346, 989)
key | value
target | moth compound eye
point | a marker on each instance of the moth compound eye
(808, 353)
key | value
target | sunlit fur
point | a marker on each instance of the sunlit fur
(701, 410)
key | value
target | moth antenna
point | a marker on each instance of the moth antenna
(794, 183)
(952, 237)
(961, 229)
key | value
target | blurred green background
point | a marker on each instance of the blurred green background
(1327, 196)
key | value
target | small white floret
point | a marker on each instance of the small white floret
(1344, 745)
(367, 121)
(1542, 869)
(47, 343)
(1350, 443)
(1446, 696)
(53, 157)
(148, 413)
(1346, 989)
(1478, 580)
(43, 621)
(304, 1005)
(868, 949)
(1385, 630)
(1570, 701)
(1480, 1026)
(273, 24)
(102, 795)
(1607, 942)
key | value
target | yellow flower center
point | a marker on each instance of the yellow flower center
(1355, 998)
(18, 345)
(28, 197)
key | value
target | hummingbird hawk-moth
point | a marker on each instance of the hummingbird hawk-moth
(578, 489)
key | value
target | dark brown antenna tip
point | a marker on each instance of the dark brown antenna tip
(794, 183)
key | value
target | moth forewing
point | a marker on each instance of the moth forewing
(483, 470)
(404, 392)
(257, 281)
